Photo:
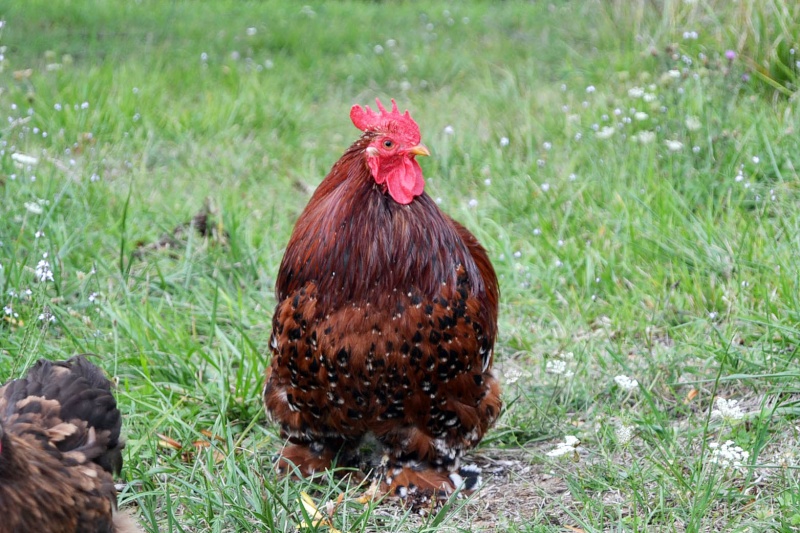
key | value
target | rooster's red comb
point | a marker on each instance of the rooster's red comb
(384, 121)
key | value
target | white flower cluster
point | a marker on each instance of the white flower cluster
(570, 445)
(626, 383)
(46, 316)
(555, 366)
(624, 433)
(727, 410)
(728, 455)
(43, 271)
(559, 366)
(673, 146)
(605, 133)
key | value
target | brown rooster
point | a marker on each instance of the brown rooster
(59, 444)
(385, 323)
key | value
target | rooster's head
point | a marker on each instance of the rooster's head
(392, 150)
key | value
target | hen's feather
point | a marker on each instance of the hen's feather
(60, 430)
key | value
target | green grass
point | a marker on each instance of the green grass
(677, 268)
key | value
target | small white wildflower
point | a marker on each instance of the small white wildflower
(636, 92)
(624, 433)
(545, 187)
(572, 177)
(43, 271)
(504, 141)
(626, 383)
(756, 159)
(605, 133)
(693, 123)
(590, 89)
(558, 367)
(252, 30)
(512, 375)
(23, 159)
(569, 446)
(547, 146)
(57, 107)
(640, 116)
(33, 207)
(645, 137)
(85, 105)
(649, 97)
(448, 130)
(8, 310)
(39, 234)
(378, 49)
(727, 410)
(537, 231)
(728, 455)
(93, 297)
(487, 181)
(473, 203)
(47, 316)
(673, 146)
(555, 366)
(695, 149)
(517, 254)
(674, 74)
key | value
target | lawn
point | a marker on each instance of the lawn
(630, 166)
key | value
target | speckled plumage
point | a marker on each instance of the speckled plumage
(385, 327)
(59, 444)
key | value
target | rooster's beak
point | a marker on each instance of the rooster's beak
(419, 149)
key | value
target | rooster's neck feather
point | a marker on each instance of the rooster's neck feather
(358, 245)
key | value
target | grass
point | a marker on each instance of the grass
(672, 261)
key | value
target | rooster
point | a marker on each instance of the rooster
(385, 324)
(59, 444)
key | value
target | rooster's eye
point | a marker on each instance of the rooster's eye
(387, 143)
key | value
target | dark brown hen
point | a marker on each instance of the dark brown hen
(386, 321)
(59, 445)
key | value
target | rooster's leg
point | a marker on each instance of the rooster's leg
(421, 480)
(307, 458)
(422, 466)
